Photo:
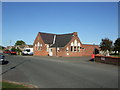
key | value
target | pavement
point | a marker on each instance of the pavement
(59, 72)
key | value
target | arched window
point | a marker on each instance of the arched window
(35, 47)
(78, 47)
(78, 44)
(41, 45)
(67, 49)
(71, 46)
(58, 49)
(38, 46)
(47, 47)
(75, 45)
(75, 42)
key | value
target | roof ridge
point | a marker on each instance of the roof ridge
(56, 34)
(91, 44)
(46, 33)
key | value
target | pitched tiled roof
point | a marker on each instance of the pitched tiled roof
(90, 46)
(47, 37)
(60, 39)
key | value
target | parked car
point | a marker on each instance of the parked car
(2, 58)
(13, 52)
(27, 51)
(6, 52)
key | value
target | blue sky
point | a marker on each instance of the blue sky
(92, 20)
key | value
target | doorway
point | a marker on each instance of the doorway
(50, 52)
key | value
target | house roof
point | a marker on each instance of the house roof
(30, 46)
(90, 46)
(47, 37)
(20, 46)
(60, 39)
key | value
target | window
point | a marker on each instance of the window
(58, 49)
(35, 47)
(39, 48)
(75, 42)
(75, 46)
(78, 44)
(75, 49)
(41, 45)
(47, 47)
(71, 48)
(71, 44)
(78, 49)
(67, 49)
(67, 53)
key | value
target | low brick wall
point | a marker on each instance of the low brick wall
(108, 60)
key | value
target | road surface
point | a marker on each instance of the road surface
(59, 72)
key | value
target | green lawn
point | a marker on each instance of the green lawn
(11, 85)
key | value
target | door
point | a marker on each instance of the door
(50, 52)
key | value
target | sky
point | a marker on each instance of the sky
(92, 20)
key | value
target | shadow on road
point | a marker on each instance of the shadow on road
(4, 62)
(13, 66)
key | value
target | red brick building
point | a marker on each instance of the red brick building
(66, 45)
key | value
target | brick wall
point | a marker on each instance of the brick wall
(43, 51)
(65, 53)
(89, 49)
(108, 60)
(69, 53)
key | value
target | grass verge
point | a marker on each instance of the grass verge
(11, 84)
(115, 55)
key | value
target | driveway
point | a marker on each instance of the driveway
(60, 72)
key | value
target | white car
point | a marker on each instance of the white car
(28, 51)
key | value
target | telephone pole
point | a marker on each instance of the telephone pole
(10, 42)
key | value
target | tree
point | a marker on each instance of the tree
(1, 47)
(20, 43)
(19, 51)
(13, 49)
(106, 44)
(117, 45)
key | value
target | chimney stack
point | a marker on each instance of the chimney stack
(75, 34)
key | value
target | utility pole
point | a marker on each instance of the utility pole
(10, 43)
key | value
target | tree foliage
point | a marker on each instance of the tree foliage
(18, 50)
(20, 43)
(1, 47)
(117, 45)
(106, 44)
(13, 49)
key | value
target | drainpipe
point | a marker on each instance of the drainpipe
(54, 39)
(56, 48)
(54, 43)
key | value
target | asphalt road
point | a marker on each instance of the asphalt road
(59, 72)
